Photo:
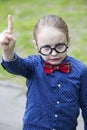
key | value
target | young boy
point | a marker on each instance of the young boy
(56, 83)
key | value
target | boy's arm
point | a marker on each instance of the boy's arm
(83, 97)
(11, 62)
(19, 66)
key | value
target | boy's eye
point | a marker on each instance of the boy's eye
(46, 48)
(60, 46)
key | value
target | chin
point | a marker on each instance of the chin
(55, 63)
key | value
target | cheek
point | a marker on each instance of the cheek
(63, 55)
(45, 58)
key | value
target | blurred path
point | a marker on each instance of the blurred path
(12, 104)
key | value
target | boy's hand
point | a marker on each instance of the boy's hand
(7, 40)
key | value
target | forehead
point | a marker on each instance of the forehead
(50, 36)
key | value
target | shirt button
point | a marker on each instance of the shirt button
(58, 102)
(56, 115)
(59, 85)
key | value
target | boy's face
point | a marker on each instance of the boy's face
(51, 37)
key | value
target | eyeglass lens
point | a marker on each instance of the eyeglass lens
(59, 48)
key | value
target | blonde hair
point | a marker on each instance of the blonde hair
(52, 21)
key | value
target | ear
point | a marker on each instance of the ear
(35, 44)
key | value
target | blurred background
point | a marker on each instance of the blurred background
(26, 13)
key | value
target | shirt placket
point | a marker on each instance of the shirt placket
(57, 106)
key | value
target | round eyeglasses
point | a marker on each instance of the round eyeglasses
(47, 50)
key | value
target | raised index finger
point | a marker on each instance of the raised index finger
(10, 26)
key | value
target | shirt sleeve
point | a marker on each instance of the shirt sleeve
(83, 96)
(19, 66)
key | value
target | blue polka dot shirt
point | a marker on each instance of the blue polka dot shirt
(53, 100)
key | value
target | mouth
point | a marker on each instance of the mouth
(55, 59)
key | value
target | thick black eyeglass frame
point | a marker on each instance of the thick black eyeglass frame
(39, 50)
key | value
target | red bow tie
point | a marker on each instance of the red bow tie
(64, 67)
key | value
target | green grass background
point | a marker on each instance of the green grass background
(26, 13)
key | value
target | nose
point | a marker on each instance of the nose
(54, 53)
